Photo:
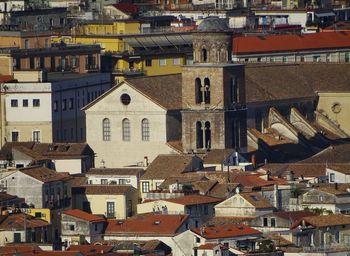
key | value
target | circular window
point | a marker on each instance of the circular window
(336, 108)
(125, 99)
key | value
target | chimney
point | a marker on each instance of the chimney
(145, 161)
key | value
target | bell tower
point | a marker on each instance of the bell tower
(213, 92)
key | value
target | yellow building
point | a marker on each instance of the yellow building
(113, 201)
(128, 52)
(40, 213)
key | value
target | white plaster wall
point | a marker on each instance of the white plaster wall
(119, 153)
(72, 166)
(96, 179)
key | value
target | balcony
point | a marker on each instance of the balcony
(92, 67)
(128, 72)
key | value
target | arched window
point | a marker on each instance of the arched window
(145, 129)
(234, 90)
(199, 135)
(106, 129)
(207, 90)
(198, 89)
(126, 129)
(207, 135)
(204, 55)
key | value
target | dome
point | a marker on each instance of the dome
(213, 24)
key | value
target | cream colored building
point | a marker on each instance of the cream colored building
(335, 106)
(113, 201)
(134, 121)
(26, 112)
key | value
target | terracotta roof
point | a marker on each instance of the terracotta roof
(334, 189)
(226, 231)
(223, 190)
(77, 181)
(208, 246)
(193, 200)
(115, 171)
(147, 224)
(103, 189)
(290, 43)
(334, 154)
(257, 200)
(217, 156)
(324, 220)
(164, 166)
(89, 249)
(127, 8)
(5, 197)
(300, 80)
(253, 180)
(16, 222)
(342, 168)
(298, 169)
(293, 216)
(13, 249)
(44, 174)
(157, 88)
(34, 155)
(84, 215)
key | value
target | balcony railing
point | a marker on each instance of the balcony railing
(128, 72)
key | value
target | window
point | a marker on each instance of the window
(331, 177)
(273, 222)
(71, 103)
(234, 90)
(14, 136)
(64, 104)
(204, 56)
(110, 209)
(38, 215)
(302, 58)
(126, 129)
(148, 62)
(104, 181)
(205, 210)
(123, 181)
(71, 227)
(125, 99)
(25, 103)
(284, 59)
(55, 106)
(265, 222)
(36, 103)
(347, 57)
(14, 103)
(198, 240)
(316, 58)
(206, 90)
(145, 186)
(106, 129)
(162, 62)
(272, 59)
(176, 61)
(36, 136)
(328, 57)
(198, 89)
(145, 129)
(26, 44)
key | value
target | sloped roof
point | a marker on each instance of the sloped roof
(126, 8)
(342, 168)
(16, 222)
(83, 215)
(4, 196)
(293, 215)
(44, 174)
(298, 169)
(334, 154)
(193, 200)
(257, 200)
(226, 231)
(91, 249)
(324, 220)
(165, 90)
(147, 224)
(217, 156)
(290, 43)
(164, 166)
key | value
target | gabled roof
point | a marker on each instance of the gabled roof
(334, 154)
(217, 156)
(298, 169)
(164, 166)
(148, 224)
(44, 174)
(83, 215)
(342, 168)
(155, 88)
(290, 43)
(293, 216)
(193, 200)
(257, 200)
(323, 221)
(16, 222)
(226, 231)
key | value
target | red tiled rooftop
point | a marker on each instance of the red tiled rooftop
(193, 200)
(289, 43)
(90, 249)
(84, 215)
(148, 224)
(126, 7)
(208, 246)
(226, 231)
